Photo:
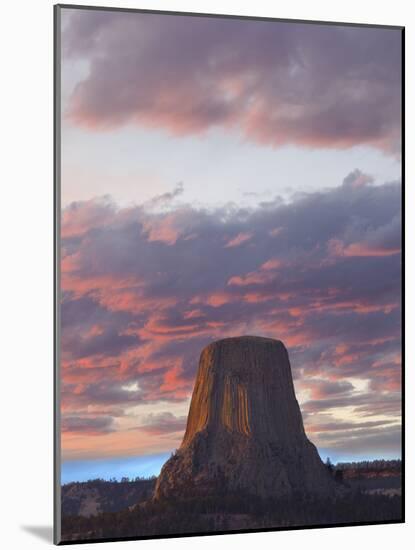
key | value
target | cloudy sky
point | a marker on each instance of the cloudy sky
(224, 177)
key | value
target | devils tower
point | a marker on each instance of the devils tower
(245, 431)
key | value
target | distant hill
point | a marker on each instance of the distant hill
(93, 497)
(382, 477)
(370, 469)
(90, 498)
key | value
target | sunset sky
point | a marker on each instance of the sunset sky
(223, 177)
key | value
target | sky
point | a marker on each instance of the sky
(223, 177)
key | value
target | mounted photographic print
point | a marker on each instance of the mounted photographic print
(228, 274)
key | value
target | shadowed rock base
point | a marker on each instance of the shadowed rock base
(244, 432)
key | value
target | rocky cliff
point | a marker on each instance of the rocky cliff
(244, 432)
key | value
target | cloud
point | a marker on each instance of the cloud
(78, 217)
(163, 423)
(166, 198)
(361, 249)
(356, 178)
(274, 83)
(383, 403)
(104, 390)
(136, 311)
(366, 441)
(352, 426)
(238, 240)
(320, 389)
(99, 341)
(382, 240)
(88, 425)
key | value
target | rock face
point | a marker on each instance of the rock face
(244, 431)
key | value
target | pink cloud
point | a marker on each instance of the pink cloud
(193, 314)
(78, 218)
(239, 239)
(363, 249)
(253, 278)
(274, 83)
(254, 297)
(163, 230)
(218, 299)
(272, 264)
(173, 382)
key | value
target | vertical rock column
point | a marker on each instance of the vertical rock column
(244, 431)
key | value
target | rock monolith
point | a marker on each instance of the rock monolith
(245, 431)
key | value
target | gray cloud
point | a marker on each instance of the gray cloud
(163, 423)
(366, 441)
(275, 82)
(93, 425)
